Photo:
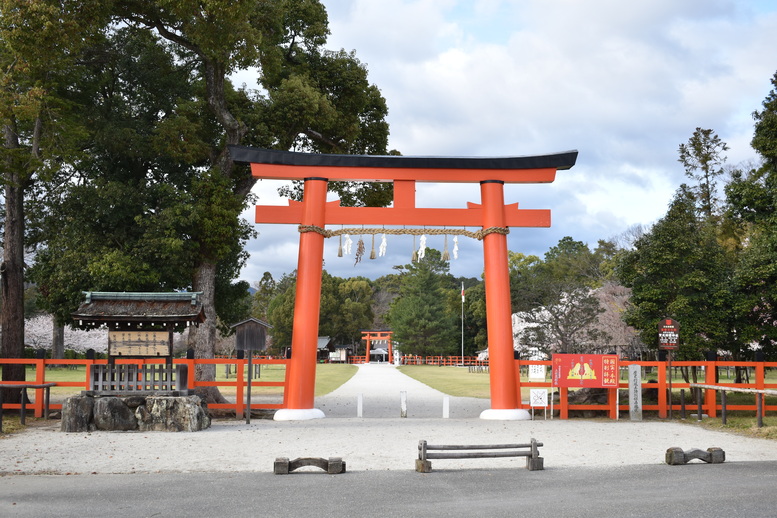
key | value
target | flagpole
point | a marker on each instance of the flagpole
(462, 323)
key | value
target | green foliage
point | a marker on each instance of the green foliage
(752, 201)
(703, 159)
(475, 331)
(755, 282)
(765, 135)
(751, 195)
(266, 289)
(715, 275)
(678, 270)
(344, 312)
(280, 312)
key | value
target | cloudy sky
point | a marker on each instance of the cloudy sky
(624, 83)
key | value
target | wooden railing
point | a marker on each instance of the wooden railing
(239, 382)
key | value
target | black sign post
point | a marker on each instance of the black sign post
(250, 336)
(668, 339)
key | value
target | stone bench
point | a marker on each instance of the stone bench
(427, 451)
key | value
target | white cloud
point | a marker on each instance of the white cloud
(623, 82)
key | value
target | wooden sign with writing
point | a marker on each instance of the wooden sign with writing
(139, 343)
(668, 334)
(586, 370)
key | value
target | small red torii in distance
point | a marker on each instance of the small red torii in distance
(314, 212)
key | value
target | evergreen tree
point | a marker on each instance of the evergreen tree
(703, 159)
(40, 131)
(752, 204)
(678, 270)
(266, 289)
(311, 99)
(420, 316)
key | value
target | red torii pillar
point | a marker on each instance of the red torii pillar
(313, 213)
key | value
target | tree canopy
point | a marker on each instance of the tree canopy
(149, 197)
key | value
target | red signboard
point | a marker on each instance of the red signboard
(585, 370)
(668, 334)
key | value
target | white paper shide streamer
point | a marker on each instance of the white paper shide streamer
(347, 244)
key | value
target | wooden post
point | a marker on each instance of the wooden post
(669, 368)
(23, 406)
(612, 396)
(760, 383)
(563, 402)
(662, 413)
(710, 378)
(248, 390)
(240, 378)
(699, 409)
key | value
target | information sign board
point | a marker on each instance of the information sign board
(585, 370)
(139, 343)
(668, 334)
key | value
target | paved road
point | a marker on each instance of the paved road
(694, 490)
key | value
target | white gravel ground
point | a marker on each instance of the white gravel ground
(380, 440)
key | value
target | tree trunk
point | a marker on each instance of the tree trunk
(203, 337)
(12, 272)
(57, 340)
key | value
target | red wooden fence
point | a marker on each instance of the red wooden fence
(240, 381)
(710, 405)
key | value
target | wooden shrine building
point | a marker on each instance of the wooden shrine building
(140, 326)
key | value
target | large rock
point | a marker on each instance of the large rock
(172, 414)
(112, 413)
(145, 413)
(77, 415)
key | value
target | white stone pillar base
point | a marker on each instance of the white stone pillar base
(505, 414)
(298, 414)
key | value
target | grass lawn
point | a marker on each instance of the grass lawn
(329, 376)
(454, 381)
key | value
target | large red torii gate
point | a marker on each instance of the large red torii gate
(313, 213)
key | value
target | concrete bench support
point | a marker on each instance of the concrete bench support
(676, 456)
(333, 465)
